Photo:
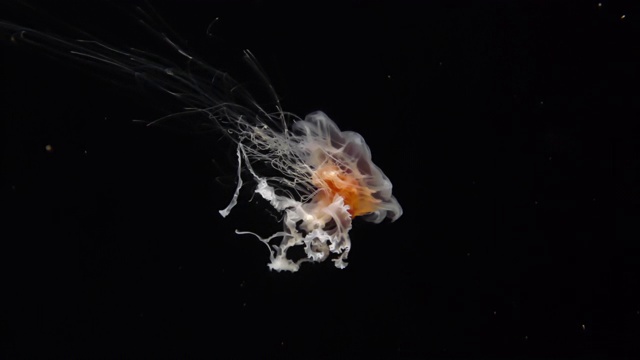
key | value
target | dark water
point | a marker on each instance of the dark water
(509, 130)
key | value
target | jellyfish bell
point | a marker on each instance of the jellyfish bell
(344, 167)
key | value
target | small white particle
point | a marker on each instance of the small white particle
(583, 327)
(599, 4)
(48, 148)
(622, 17)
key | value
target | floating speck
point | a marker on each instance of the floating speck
(48, 148)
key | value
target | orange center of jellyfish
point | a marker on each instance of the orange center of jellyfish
(334, 181)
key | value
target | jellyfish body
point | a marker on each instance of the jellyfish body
(336, 179)
(320, 178)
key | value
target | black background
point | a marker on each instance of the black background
(509, 130)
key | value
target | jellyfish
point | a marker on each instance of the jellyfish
(318, 177)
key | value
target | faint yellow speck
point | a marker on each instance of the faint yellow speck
(599, 4)
(48, 148)
(622, 17)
